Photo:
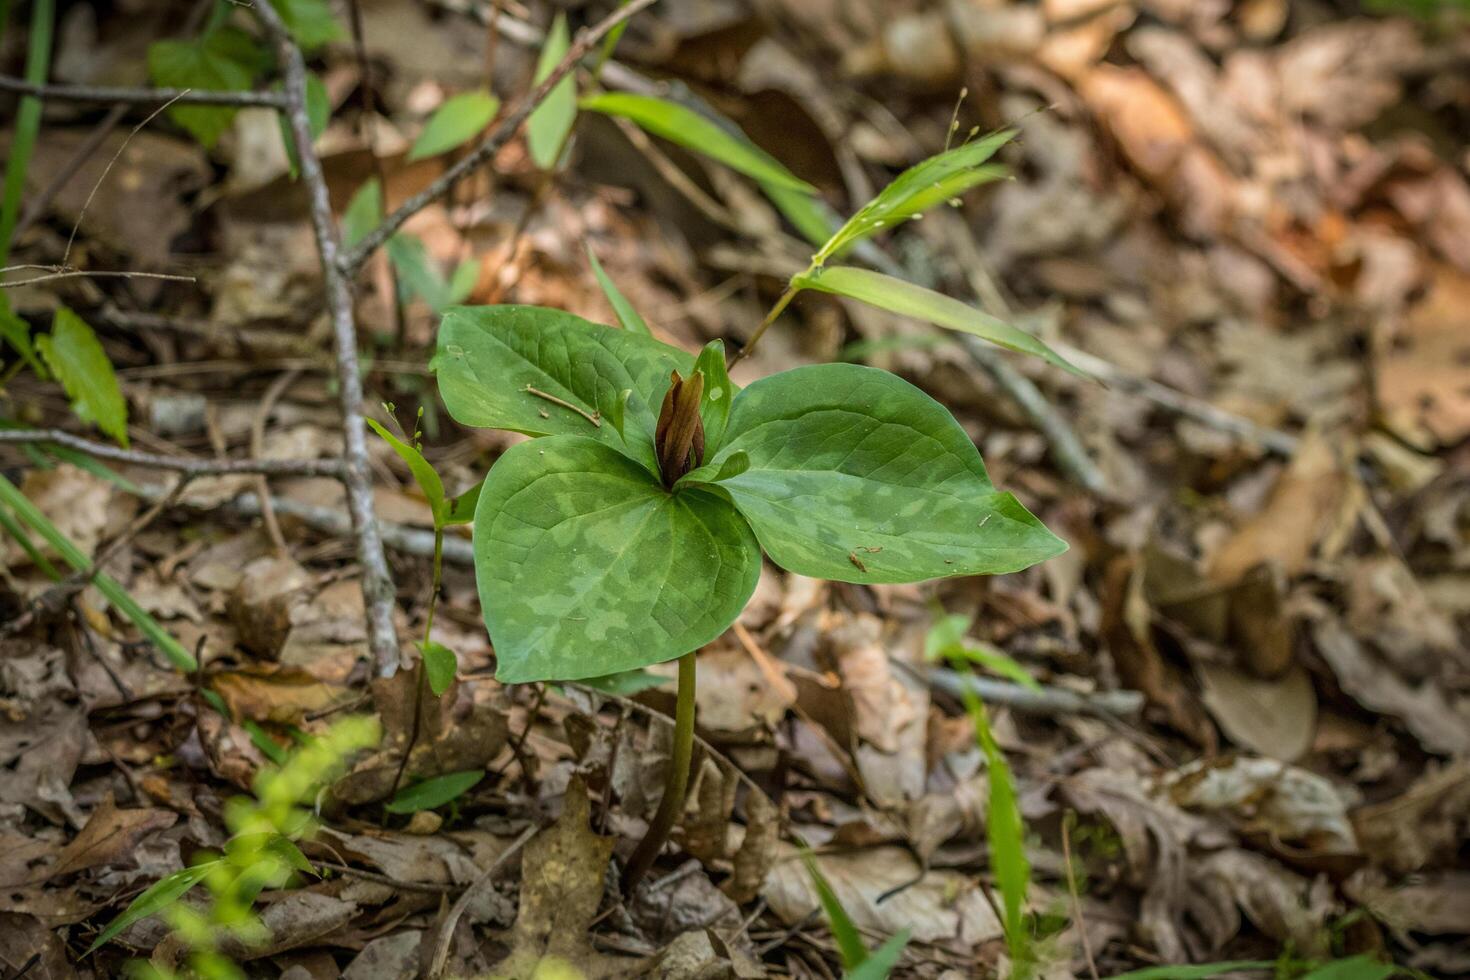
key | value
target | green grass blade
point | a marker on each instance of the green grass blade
(626, 314)
(434, 792)
(691, 130)
(1198, 971)
(27, 121)
(423, 472)
(157, 898)
(881, 961)
(13, 528)
(28, 512)
(908, 299)
(844, 930)
(551, 123)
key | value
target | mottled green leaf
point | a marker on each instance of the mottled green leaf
(626, 683)
(364, 212)
(223, 60)
(586, 566)
(76, 357)
(423, 472)
(692, 130)
(500, 366)
(908, 299)
(155, 899)
(627, 316)
(441, 665)
(858, 476)
(919, 188)
(547, 129)
(455, 123)
(436, 792)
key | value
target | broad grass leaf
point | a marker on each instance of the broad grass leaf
(441, 664)
(494, 360)
(919, 188)
(547, 129)
(223, 60)
(691, 130)
(435, 792)
(455, 123)
(76, 357)
(628, 317)
(858, 476)
(155, 899)
(908, 299)
(1198, 971)
(423, 472)
(881, 961)
(586, 566)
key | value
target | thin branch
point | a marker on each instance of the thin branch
(508, 126)
(141, 96)
(1042, 700)
(176, 464)
(444, 937)
(80, 274)
(377, 583)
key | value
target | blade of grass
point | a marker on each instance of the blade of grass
(844, 930)
(27, 121)
(13, 528)
(28, 512)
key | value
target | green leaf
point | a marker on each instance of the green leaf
(494, 360)
(731, 466)
(455, 123)
(262, 740)
(844, 930)
(858, 476)
(587, 566)
(318, 114)
(364, 212)
(694, 131)
(310, 22)
(11, 526)
(419, 275)
(434, 792)
(462, 280)
(462, 508)
(76, 357)
(17, 333)
(1005, 833)
(907, 299)
(154, 900)
(719, 394)
(549, 125)
(223, 60)
(423, 472)
(919, 188)
(1199, 971)
(881, 961)
(625, 683)
(32, 515)
(946, 640)
(441, 665)
(627, 316)
(811, 216)
(1360, 967)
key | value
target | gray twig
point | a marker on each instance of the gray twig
(176, 464)
(143, 96)
(1044, 700)
(377, 582)
(586, 40)
(84, 274)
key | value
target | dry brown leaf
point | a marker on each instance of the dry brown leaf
(1283, 803)
(281, 695)
(1434, 904)
(1275, 718)
(110, 837)
(1283, 905)
(1423, 368)
(1424, 824)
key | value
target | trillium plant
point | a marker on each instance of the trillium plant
(630, 529)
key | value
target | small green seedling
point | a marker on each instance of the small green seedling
(857, 962)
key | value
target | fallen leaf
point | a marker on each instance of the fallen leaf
(1424, 824)
(1275, 718)
(1423, 366)
(110, 836)
(1283, 803)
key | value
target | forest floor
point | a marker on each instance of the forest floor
(1251, 220)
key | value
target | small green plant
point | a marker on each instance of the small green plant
(858, 963)
(261, 853)
(630, 530)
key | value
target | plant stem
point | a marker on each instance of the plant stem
(422, 681)
(675, 785)
(760, 331)
(27, 121)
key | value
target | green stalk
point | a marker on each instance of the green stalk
(422, 683)
(760, 331)
(27, 121)
(675, 786)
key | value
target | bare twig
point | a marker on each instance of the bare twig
(177, 464)
(508, 126)
(595, 419)
(377, 582)
(71, 239)
(257, 446)
(143, 96)
(445, 937)
(1043, 700)
(80, 274)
